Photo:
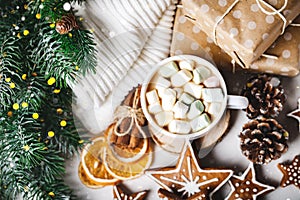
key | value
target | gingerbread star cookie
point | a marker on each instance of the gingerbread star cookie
(296, 113)
(119, 194)
(291, 173)
(187, 180)
(166, 195)
(246, 186)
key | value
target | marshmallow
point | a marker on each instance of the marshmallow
(160, 90)
(200, 74)
(161, 84)
(168, 99)
(212, 95)
(186, 98)
(211, 82)
(169, 92)
(180, 110)
(214, 109)
(187, 64)
(164, 118)
(168, 69)
(193, 89)
(196, 109)
(152, 97)
(155, 108)
(179, 92)
(181, 77)
(179, 126)
(200, 122)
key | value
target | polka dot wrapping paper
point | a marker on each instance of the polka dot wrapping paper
(189, 38)
(281, 58)
(244, 29)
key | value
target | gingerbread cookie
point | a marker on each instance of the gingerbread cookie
(291, 173)
(187, 180)
(120, 195)
(296, 113)
(246, 186)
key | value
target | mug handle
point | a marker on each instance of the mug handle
(237, 102)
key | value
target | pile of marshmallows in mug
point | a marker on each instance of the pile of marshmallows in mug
(184, 97)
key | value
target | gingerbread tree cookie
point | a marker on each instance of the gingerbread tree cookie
(246, 186)
(119, 194)
(187, 180)
(291, 173)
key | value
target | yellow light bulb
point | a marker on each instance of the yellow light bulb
(81, 141)
(26, 32)
(63, 123)
(51, 134)
(51, 81)
(24, 104)
(51, 194)
(38, 16)
(24, 76)
(35, 116)
(26, 147)
(59, 111)
(16, 106)
(12, 85)
(56, 91)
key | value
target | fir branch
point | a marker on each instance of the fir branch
(37, 130)
(59, 119)
(61, 56)
(23, 149)
(10, 60)
(85, 54)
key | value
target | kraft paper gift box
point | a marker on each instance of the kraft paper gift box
(244, 29)
(281, 58)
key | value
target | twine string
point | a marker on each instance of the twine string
(270, 56)
(133, 112)
(221, 18)
(295, 25)
(275, 11)
(259, 3)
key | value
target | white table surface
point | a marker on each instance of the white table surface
(225, 154)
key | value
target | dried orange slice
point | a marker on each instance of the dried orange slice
(92, 162)
(88, 181)
(124, 170)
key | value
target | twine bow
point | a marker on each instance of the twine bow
(275, 12)
(259, 3)
(136, 114)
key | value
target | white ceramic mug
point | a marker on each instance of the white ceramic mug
(174, 142)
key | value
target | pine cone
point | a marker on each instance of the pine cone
(263, 140)
(66, 24)
(266, 96)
